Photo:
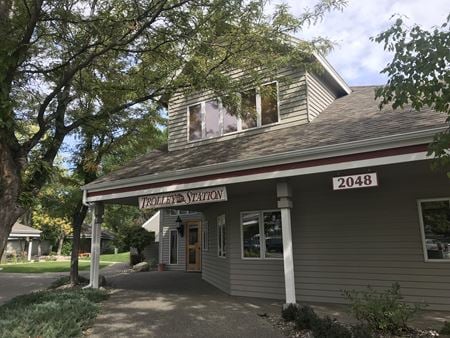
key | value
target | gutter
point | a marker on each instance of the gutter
(386, 142)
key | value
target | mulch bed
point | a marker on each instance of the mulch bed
(288, 329)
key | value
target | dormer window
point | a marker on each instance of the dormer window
(211, 119)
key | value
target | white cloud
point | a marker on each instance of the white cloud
(355, 57)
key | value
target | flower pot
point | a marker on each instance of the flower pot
(161, 266)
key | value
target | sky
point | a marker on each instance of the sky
(357, 59)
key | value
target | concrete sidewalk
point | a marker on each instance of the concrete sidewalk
(178, 304)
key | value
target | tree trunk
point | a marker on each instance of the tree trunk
(77, 222)
(10, 181)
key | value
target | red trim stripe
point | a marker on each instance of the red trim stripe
(278, 167)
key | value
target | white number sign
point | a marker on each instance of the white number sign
(355, 181)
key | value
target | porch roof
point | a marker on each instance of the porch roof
(350, 119)
(21, 230)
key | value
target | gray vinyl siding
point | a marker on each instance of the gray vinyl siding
(292, 110)
(252, 277)
(354, 238)
(342, 240)
(216, 270)
(168, 223)
(319, 95)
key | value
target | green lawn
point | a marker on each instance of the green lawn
(123, 257)
(40, 267)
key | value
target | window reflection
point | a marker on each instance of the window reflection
(212, 118)
(436, 228)
(248, 102)
(250, 234)
(195, 122)
(269, 109)
(273, 235)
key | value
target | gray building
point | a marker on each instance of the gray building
(312, 191)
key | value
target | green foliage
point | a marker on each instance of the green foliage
(419, 74)
(382, 311)
(45, 266)
(136, 237)
(330, 328)
(362, 331)
(306, 318)
(50, 313)
(445, 329)
(66, 248)
(289, 313)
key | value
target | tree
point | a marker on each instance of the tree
(51, 207)
(54, 52)
(104, 148)
(419, 74)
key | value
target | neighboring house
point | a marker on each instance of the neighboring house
(106, 245)
(318, 192)
(25, 240)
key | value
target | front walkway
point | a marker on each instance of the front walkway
(179, 304)
(16, 284)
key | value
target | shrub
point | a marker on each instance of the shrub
(66, 249)
(50, 313)
(289, 313)
(381, 310)
(445, 329)
(306, 318)
(329, 328)
(362, 331)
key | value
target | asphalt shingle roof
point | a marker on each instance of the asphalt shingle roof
(354, 117)
(21, 229)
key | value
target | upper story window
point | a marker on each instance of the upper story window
(211, 119)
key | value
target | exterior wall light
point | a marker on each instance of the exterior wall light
(180, 226)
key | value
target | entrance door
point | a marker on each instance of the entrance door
(193, 246)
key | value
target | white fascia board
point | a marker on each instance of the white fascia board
(15, 235)
(395, 159)
(333, 73)
(348, 148)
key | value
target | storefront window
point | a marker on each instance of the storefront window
(262, 234)
(435, 224)
(272, 234)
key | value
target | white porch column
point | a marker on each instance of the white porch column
(97, 218)
(284, 195)
(30, 248)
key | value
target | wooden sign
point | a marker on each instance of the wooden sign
(355, 181)
(180, 198)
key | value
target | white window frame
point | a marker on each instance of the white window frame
(262, 237)
(221, 228)
(239, 120)
(170, 245)
(422, 229)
